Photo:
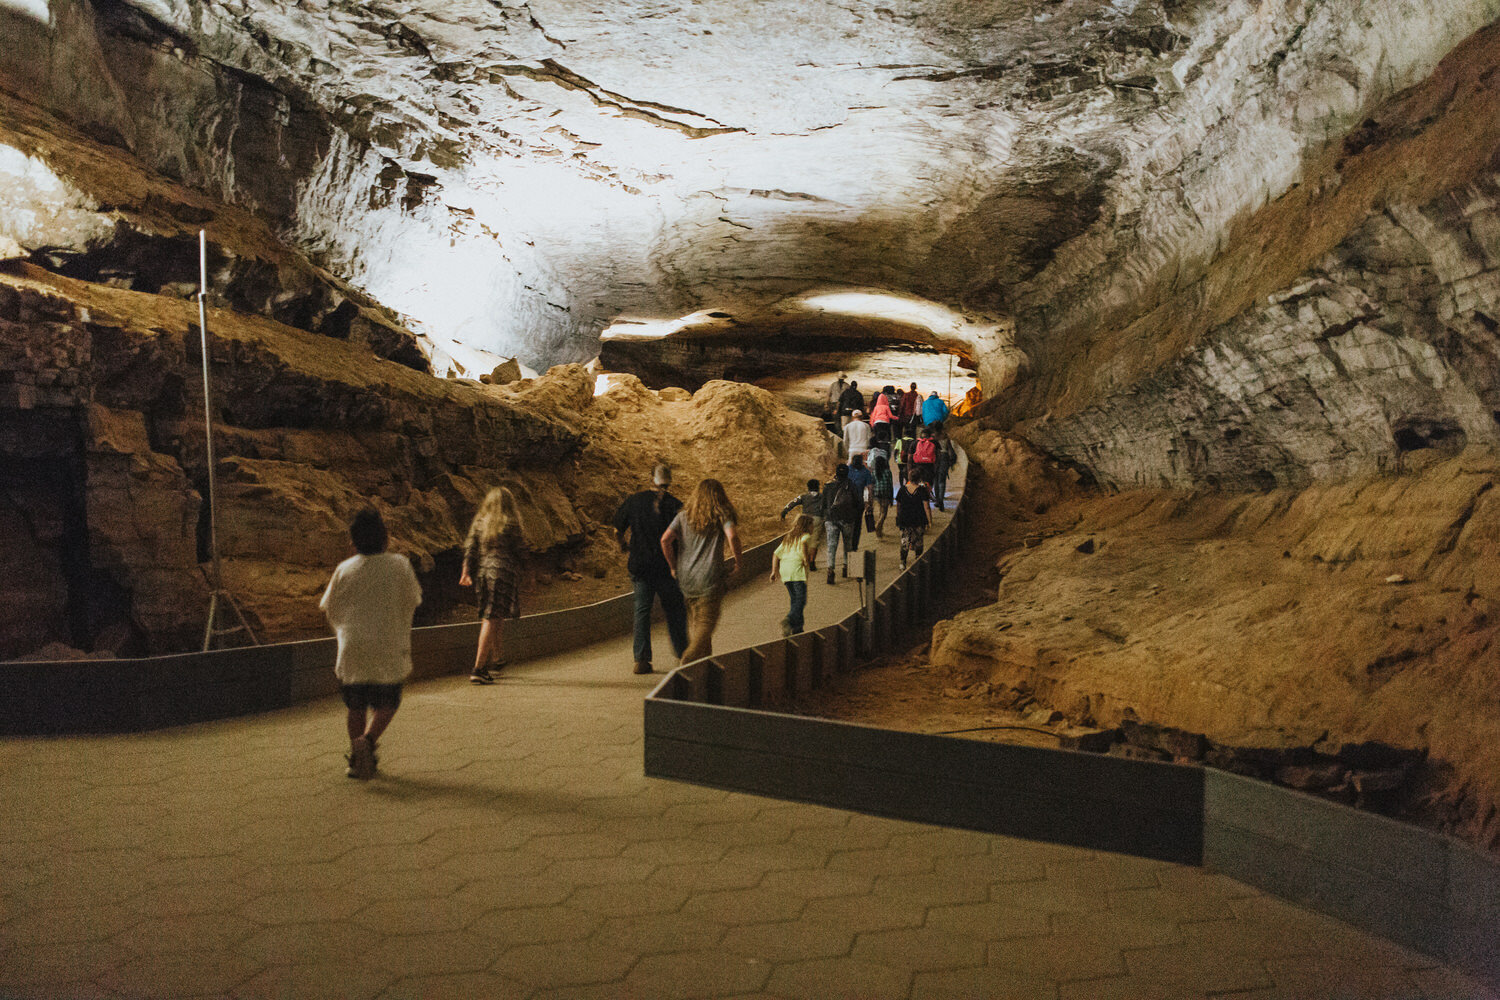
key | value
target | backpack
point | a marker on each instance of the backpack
(925, 452)
(840, 502)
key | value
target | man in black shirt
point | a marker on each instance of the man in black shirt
(850, 401)
(645, 517)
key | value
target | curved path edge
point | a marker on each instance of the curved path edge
(59, 697)
(713, 723)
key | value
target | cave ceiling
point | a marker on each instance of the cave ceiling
(517, 178)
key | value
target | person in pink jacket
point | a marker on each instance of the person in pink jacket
(881, 412)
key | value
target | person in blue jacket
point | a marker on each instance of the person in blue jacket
(933, 409)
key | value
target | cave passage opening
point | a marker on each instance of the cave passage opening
(796, 347)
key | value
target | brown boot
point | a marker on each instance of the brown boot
(643, 666)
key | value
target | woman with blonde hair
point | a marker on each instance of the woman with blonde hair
(694, 547)
(492, 565)
(793, 559)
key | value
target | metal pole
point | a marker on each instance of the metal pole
(217, 579)
(950, 380)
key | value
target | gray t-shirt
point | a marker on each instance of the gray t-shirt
(700, 558)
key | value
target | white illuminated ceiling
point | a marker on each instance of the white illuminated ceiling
(561, 165)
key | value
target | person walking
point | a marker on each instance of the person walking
(912, 516)
(862, 480)
(901, 455)
(924, 456)
(882, 490)
(369, 602)
(856, 435)
(693, 546)
(793, 559)
(934, 409)
(947, 457)
(811, 503)
(910, 412)
(880, 444)
(880, 413)
(492, 566)
(835, 393)
(850, 401)
(841, 510)
(639, 524)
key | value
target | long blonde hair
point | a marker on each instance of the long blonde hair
(802, 526)
(709, 507)
(498, 514)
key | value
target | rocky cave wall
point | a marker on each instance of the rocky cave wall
(1389, 346)
(516, 177)
(102, 441)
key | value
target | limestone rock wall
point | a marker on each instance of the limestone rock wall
(1295, 123)
(1363, 610)
(1389, 346)
(76, 206)
(515, 177)
(102, 439)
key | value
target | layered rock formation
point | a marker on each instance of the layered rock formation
(1365, 610)
(517, 177)
(102, 439)
(104, 394)
(106, 219)
(1390, 345)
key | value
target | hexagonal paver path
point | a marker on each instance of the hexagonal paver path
(512, 848)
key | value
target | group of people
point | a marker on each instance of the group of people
(370, 600)
(676, 557)
(904, 432)
(903, 409)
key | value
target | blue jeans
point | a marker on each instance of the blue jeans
(797, 591)
(839, 530)
(647, 590)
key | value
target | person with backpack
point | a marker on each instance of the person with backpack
(850, 401)
(644, 517)
(841, 511)
(881, 490)
(912, 516)
(793, 559)
(863, 480)
(924, 456)
(880, 446)
(811, 503)
(901, 455)
(934, 409)
(910, 411)
(947, 457)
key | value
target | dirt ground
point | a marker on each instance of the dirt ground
(1291, 621)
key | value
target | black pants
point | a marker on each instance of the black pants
(647, 590)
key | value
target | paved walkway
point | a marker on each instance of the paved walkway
(512, 848)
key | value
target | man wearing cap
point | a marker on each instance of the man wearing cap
(639, 524)
(835, 393)
(856, 435)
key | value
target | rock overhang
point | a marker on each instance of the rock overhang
(517, 178)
